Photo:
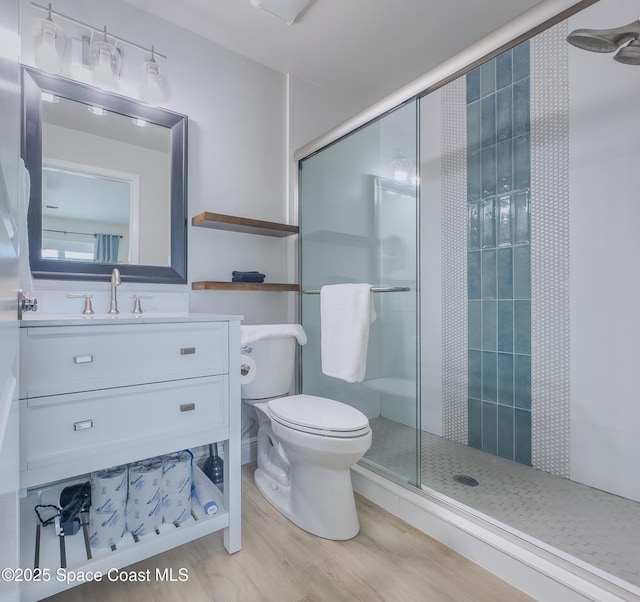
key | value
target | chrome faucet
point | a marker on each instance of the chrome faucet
(115, 281)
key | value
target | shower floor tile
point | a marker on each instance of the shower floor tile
(593, 526)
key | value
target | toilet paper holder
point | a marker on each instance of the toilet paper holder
(245, 368)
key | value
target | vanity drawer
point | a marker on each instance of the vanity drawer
(66, 429)
(58, 360)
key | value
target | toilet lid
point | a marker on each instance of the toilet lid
(318, 415)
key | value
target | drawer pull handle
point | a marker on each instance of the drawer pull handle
(188, 351)
(83, 425)
(82, 359)
(187, 407)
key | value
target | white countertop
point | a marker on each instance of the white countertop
(35, 319)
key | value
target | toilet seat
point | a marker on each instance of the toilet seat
(318, 416)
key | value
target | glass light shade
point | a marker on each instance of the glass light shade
(152, 90)
(51, 42)
(105, 64)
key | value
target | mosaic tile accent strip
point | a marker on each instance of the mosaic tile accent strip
(550, 250)
(454, 261)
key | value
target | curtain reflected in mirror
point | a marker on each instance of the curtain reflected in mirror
(107, 247)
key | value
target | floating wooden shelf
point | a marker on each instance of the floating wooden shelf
(243, 286)
(218, 221)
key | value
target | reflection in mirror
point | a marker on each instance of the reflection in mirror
(81, 208)
(395, 207)
(108, 183)
(86, 192)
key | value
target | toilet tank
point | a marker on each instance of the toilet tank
(275, 363)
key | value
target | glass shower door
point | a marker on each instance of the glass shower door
(358, 224)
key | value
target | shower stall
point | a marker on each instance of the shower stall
(495, 215)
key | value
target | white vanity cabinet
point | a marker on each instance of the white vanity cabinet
(97, 393)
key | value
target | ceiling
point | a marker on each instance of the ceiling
(361, 50)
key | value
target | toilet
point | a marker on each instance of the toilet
(306, 444)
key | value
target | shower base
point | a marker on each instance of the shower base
(595, 527)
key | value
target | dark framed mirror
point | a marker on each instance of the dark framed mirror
(108, 183)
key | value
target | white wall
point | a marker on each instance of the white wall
(314, 111)
(605, 260)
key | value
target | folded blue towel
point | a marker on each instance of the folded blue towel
(247, 276)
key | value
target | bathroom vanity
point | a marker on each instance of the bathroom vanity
(100, 391)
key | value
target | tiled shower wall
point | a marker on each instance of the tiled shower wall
(498, 255)
(476, 406)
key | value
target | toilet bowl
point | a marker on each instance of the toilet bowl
(306, 446)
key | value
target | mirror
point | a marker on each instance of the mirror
(108, 184)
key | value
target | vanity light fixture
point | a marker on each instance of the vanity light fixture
(51, 43)
(152, 83)
(141, 123)
(97, 110)
(288, 11)
(105, 60)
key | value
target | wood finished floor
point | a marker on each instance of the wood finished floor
(388, 560)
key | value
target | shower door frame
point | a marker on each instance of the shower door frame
(416, 480)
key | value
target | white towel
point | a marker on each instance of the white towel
(346, 312)
(24, 194)
(257, 332)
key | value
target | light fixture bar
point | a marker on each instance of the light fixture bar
(96, 29)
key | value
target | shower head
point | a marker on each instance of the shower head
(604, 40)
(630, 54)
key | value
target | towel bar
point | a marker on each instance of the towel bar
(375, 289)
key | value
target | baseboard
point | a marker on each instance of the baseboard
(533, 570)
(249, 450)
